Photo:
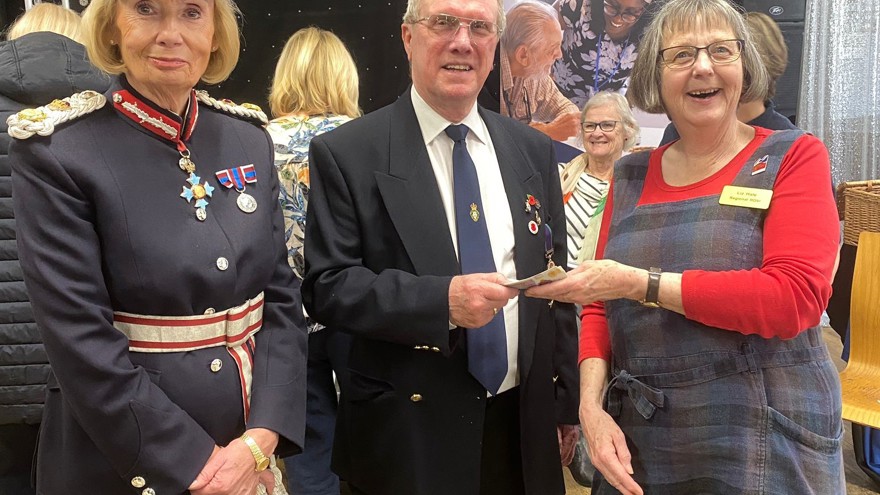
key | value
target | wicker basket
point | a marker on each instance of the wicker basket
(859, 205)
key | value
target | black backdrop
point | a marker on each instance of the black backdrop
(369, 28)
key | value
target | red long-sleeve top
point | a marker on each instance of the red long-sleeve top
(790, 289)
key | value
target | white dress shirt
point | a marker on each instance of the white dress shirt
(496, 207)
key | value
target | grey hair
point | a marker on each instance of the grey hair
(690, 16)
(621, 106)
(414, 8)
(525, 24)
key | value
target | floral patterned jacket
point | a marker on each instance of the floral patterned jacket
(292, 136)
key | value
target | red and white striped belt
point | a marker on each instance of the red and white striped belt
(233, 328)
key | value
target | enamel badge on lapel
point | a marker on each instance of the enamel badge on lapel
(760, 165)
(533, 203)
(240, 177)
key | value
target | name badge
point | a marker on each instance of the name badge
(747, 197)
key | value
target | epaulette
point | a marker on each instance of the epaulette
(43, 120)
(247, 111)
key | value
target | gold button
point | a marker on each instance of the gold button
(222, 263)
(138, 482)
(210, 311)
(415, 397)
(148, 491)
(216, 365)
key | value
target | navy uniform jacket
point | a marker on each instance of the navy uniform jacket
(379, 260)
(101, 229)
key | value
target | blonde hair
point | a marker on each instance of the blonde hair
(47, 17)
(315, 75)
(689, 16)
(770, 45)
(99, 25)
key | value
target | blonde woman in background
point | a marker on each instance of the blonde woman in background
(314, 91)
(47, 17)
(42, 60)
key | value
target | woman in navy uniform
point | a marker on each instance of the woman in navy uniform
(153, 248)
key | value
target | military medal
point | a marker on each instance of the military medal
(171, 130)
(239, 177)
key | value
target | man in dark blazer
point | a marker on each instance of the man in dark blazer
(382, 264)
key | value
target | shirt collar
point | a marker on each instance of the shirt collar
(433, 124)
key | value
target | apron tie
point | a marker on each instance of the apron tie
(646, 398)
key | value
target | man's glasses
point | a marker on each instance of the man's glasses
(604, 126)
(721, 52)
(446, 26)
(626, 15)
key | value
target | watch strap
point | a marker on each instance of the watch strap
(652, 295)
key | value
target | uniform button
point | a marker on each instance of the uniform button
(148, 491)
(138, 482)
(216, 365)
(222, 263)
(210, 311)
(415, 397)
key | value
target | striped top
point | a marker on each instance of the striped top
(579, 209)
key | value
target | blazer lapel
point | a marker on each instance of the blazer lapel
(520, 179)
(411, 196)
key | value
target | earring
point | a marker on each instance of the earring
(112, 42)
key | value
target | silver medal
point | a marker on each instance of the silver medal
(246, 203)
(201, 214)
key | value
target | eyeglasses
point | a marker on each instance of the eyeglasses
(628, 16)
(721, 52)
(604, 126)
(446, 26)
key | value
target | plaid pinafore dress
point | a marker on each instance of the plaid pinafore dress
(706, 410)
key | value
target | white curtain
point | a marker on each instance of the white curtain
(840, 84)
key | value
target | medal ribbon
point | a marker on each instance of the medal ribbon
(237, 176)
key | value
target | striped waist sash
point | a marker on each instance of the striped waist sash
(233, 328)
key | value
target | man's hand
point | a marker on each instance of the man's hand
(564, 126)
(568, 438)
(475, 298)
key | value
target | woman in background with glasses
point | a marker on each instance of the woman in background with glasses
(718, 254)
(608, 128)
(598, 51)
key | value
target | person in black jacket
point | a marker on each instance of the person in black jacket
(38, 66)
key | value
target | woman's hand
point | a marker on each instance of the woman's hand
(608, 451)
(598, 280)
(231, 470)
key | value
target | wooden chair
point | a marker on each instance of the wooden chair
(861, 378)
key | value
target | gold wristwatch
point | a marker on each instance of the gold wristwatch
(259, 456)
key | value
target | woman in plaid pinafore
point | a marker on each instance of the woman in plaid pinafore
(705, 371)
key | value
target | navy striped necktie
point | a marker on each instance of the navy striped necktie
(486, 346)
